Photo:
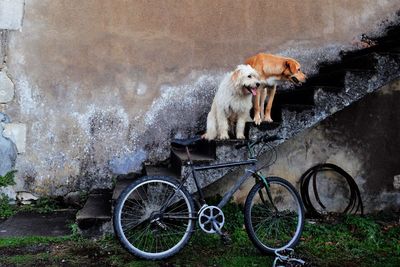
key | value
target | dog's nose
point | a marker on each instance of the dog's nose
(257, 84)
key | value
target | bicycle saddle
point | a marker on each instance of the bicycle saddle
(186, 142)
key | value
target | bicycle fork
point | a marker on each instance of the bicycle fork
(259, 177)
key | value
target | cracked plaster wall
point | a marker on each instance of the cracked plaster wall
(103, 85)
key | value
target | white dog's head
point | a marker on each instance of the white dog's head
(246, 79)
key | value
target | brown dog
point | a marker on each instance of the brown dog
(272, 69)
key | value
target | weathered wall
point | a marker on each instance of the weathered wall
(99, 83)
(363, 139)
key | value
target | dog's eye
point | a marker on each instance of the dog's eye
(249, 76)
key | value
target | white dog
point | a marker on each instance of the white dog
(232, 103)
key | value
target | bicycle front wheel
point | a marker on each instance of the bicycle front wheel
(274, 215)
(153, 217)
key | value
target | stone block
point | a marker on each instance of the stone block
(16, 132)
(6, 88)
(11, 14)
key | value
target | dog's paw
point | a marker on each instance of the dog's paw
(257, 119)
(224, 136)
(240, 136)
(268, 119)
(208, 137)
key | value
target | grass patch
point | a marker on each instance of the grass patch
(354, 241)
(348, 241)
(13, 242)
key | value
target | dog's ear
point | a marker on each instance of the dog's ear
(235, 75)
(291, 65)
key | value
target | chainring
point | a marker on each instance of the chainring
(211, 219)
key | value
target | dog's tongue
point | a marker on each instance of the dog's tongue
(254, 91)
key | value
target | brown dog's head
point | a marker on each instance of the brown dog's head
(293, 73)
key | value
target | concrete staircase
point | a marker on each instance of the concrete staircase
(336, 86)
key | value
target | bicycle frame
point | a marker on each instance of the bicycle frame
(252, 171)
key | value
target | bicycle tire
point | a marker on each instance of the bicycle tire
(140, 225)
(269, 224)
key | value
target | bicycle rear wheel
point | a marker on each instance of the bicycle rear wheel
(153, 218)
(274, 215)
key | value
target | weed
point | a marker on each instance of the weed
(6, 210)
(42, 205)
(7, 179)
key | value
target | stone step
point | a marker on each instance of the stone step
(120, 185)
(333, 78)
(331, 89)
(337, 78)
(123, 181)
(264, 126)
(297, 107)
(393, 32)
(393, 54)
(231, 142)
(302, 95)
(152, 170)
(383, 45)
(179, 158)
(95, 216)
(196, 157)
(367, 61)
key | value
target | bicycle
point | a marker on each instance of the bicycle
(155, 216)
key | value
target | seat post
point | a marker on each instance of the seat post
(202, 201)
(188, 154)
